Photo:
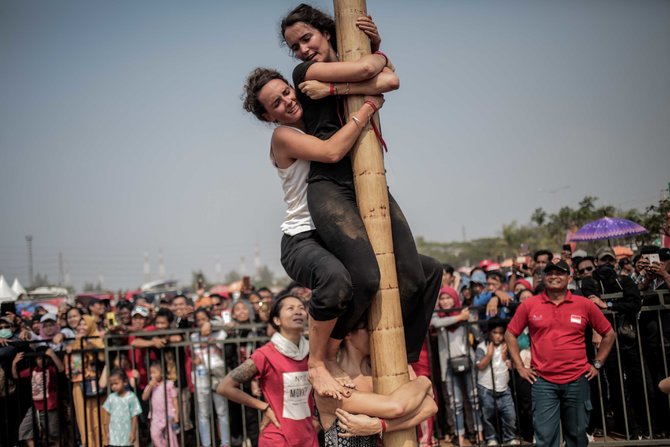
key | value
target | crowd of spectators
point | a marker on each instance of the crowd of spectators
(142, 372)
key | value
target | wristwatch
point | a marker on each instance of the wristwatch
(597, 364)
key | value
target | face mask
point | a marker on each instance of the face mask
(6, 333)
(604, 270)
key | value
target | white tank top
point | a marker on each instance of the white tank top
(294, 184)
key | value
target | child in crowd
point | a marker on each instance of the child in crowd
(123, 408)
(164, 401)
(43, 384)
(493, 386)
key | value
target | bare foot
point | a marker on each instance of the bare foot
(324, 383)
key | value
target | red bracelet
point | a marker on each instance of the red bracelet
(372, 104)
(385, 57)
(384, 427)
(332, 89)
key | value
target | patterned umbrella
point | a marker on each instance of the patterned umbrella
(608, 228)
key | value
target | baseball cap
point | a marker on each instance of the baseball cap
(47, 317)
(579, 253)
(141, 311)
(561, 266)
(603, 252)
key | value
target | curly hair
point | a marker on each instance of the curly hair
(253, 85)
(311, 16)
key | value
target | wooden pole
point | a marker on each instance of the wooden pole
(389, 359)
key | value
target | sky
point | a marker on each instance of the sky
(122, 132)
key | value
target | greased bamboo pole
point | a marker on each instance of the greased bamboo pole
(389, 359)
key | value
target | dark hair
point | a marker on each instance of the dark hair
(253, 85)
(649, 249)
(167, 313)
(275, 310)
(176, 297)
(156, 364)
(448, 268)
(312, 17)
(496, 322)
(124, 305)
(623, 261)
(7, 307)
(541, 252)
(496, 274)
(120, 373)
(202, 310)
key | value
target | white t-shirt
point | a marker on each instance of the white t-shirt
(500, 370)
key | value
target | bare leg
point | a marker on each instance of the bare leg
(319, 365)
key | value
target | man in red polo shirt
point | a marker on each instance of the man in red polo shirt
(559, 371)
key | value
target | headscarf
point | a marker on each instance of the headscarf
(457, 302)
(92, 331)
(525, 284)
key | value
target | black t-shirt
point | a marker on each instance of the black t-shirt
(322, 119)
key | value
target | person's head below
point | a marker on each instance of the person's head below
(447, 275)
(557, 277)
(254, 299)
(585, 267)
(163, 319)
(7, 327)
(523, 295)
(605, 257)
(139, 318)
(96, 308)
(266, 294)
(288, 315)
(124, 310)
(219, 304)
(496, 328)
(242, 312)
(142, 301)
(201, 317)
(447, 299)
(156, 371)
(270, 98)
(477, 281)
(180, 306)
(542, 257)
(309, 34)
(49, 325)
(118, 381)
(494, 280)
(522, 284)
(41, 358)
(358, 338)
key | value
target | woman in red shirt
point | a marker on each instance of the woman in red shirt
(280, 367)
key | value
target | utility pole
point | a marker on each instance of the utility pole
(161, 265)
(61, 269)
(147, 268)
(29, 242)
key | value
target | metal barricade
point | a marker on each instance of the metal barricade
(633, 370)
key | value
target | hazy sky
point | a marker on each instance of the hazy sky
(121, 130)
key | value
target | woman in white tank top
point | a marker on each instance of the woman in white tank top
(272, 99)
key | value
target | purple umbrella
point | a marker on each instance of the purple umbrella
(608, 228)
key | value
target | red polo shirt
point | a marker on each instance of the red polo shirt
(557, 334)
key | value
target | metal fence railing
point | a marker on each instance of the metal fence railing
(628, 408)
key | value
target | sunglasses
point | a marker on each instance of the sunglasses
(586, 270)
